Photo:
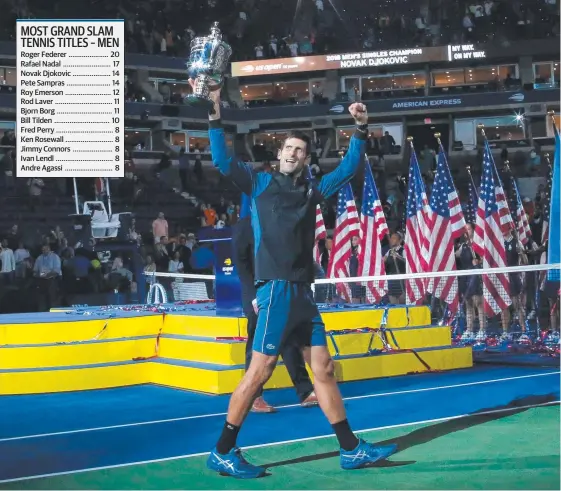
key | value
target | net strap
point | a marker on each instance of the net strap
(156, 348)
(383, 334)
(95, 338)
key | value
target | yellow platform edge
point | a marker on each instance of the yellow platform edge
(86, 328)
(79, 330)
(66, 346)
(68, 355)
(346, 370)
(219, 382)
(73, 379)
(207, 351)
(199, 350)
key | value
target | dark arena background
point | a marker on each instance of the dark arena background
(122, 333)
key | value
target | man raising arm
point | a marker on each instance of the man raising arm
(283, 219)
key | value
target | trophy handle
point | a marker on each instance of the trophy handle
(201, 92)
(202, 86)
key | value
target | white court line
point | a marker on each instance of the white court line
(286, 442)
(212, 415)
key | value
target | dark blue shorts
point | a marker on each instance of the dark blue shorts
(287, 309)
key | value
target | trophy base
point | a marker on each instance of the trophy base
(198, 101)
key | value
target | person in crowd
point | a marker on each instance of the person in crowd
(471, 287)
(175, 265)
(47, 272)
(394, 260)
(7, 263)
(358, 292)
(160, 227)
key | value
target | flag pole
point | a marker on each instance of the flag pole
(551, 114)
(517, 194)
(481, 127)
(437, 135)
(393, 251)
(410, 140)
(468, 168)
(404, 218)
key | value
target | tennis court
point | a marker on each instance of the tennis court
(482, 428)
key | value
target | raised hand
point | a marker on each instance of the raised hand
(359, 113)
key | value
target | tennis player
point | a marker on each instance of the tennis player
(283, 221)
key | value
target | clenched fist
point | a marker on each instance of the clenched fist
(359, 113)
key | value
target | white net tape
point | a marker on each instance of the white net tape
(516, 308)
(523, 291)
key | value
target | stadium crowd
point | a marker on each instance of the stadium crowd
(166, 27)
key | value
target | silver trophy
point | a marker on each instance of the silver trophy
(207, 64)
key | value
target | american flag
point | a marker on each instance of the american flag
(347, 225)
(417, 238)
(489, 238)
(505, 217)
(373, 229)
(321, 233)
(546, 203)
(447, 225)
(471, 205)
(554, 241)
(519, 215)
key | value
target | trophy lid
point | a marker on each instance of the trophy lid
(215, 31)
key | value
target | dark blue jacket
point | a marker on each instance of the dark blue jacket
(243, 256)
(245, 206)
(283, 213)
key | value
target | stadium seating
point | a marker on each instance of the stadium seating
(329, 26)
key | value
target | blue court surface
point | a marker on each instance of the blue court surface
(43, 436)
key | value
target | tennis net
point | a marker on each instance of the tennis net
(514, 299)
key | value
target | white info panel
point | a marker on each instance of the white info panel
(70, 98)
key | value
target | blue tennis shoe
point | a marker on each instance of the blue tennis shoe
(233, 464)
(364, 454)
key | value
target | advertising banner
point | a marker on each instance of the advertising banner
(383, 58)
